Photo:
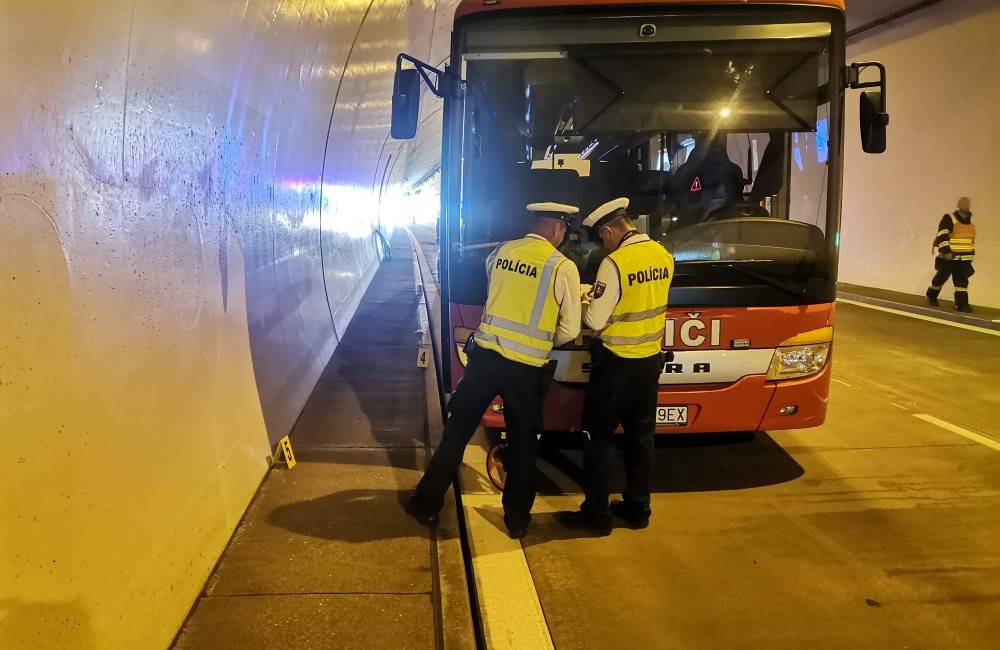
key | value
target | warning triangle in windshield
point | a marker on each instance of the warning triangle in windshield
(696, 185)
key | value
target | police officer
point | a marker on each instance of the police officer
(533, 303)
(956, 248)
(627, 311)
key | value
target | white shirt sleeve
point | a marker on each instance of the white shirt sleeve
(567, 290)
(490, 259)
(596, 314)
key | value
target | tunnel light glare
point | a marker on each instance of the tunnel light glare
(725, 112)
(354, 211)
(401, 205)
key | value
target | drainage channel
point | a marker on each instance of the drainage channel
(432, 337)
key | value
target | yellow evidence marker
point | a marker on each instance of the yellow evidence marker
(284, 452)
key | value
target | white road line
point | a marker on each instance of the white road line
(841, 381)
(931, 319)
(899, 406)
(954, 428)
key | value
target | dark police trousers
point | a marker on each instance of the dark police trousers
(620, 391)
(959, 271)
(522, 388)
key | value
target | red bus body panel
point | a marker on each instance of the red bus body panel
(751, 403)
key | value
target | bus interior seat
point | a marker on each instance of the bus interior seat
(772, 170)
(705, 183)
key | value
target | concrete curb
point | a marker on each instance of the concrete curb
(940, 314)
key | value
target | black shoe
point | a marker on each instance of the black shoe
(965, 309)
(635, 515)
(517, 527)
(517, 533)
(933, 301)
(429, 519)
(596, 521)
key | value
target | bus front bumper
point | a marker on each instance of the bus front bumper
(750, 404)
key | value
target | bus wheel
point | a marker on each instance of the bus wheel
(494, 465)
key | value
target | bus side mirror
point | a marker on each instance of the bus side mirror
(874, 121)
(874, 118)
(405, 104)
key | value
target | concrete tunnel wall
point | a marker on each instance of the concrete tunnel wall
(943, 143)
(187, 196)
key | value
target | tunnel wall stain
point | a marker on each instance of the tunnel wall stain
(177, 260)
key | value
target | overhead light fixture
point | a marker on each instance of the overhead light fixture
(725, 112)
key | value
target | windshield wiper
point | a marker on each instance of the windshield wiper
(777, 283)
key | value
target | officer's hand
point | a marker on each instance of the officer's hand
(586, 293)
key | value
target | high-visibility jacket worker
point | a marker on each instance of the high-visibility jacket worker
(533, 303)
(627, 311)
(956, 249)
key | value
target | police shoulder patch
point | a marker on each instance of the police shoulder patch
(599, 288)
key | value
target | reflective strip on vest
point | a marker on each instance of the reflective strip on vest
(634, 340)
(542, 355)
(635, 316)
(543, 286)
(513, 326)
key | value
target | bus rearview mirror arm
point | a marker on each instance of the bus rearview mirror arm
(873, 116)
(406, 93)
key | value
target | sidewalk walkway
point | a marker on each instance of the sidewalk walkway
(983, 316)
(325, 557)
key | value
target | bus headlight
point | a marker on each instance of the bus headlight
(802, 355)
(798, 361)
(460, 338)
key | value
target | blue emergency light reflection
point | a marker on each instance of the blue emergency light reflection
(822, 140)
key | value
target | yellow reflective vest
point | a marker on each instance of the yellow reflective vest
(635, 327)
(521, 314)
(963, 239)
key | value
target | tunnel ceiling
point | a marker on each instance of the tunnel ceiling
(863, 12)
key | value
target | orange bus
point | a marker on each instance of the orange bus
(721, 121)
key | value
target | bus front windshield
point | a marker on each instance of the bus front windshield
(718, 131)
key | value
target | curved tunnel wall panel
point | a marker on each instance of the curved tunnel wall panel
(187, 195)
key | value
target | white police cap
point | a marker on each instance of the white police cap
(553, 210)
(613, 208)
(549, 206)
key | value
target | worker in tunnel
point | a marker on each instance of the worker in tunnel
(627, 310)
(956, 248)
(533, 303)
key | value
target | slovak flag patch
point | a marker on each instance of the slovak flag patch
(599, 288)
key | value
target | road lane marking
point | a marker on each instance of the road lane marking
(931, 319)
(954, 428)
(841, 381)
(899, 406)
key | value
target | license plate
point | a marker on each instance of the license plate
(671, 416)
